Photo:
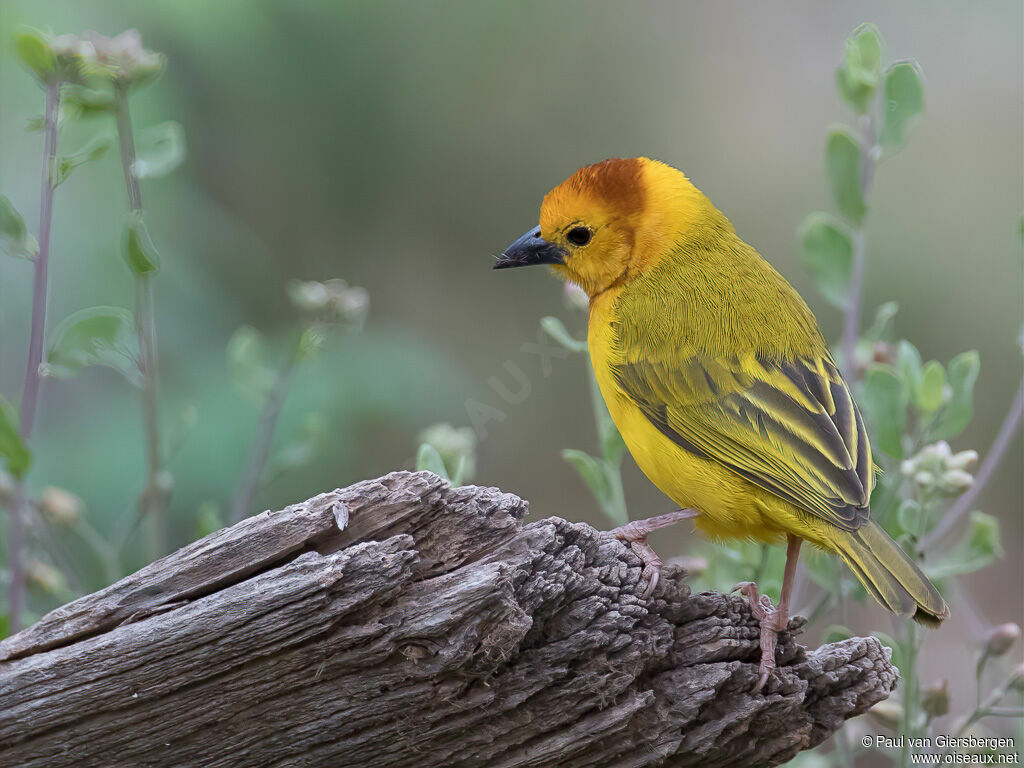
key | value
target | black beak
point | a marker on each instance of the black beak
(529, 249)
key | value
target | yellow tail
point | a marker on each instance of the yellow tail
(890, 575)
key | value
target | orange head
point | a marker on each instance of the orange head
(608, 222)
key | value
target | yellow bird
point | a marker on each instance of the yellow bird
(716, 374)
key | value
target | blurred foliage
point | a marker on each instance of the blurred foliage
(601, 474)
(75, 548)
(353, 139)
(911, 408)
(448, 452)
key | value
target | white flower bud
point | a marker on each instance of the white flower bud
(962, 459)
(1000, 639)
(44, 576)
(308, 296)
(60, 507)
(957, 480)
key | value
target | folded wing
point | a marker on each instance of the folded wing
(790, 426)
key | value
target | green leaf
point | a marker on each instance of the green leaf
(883, 315)
(12, 225)
(312, 342)
(930, 391)
(557, 331)
(138, 250)
(159, 151)
(427, 458)
(904, 100)
(979, 547)
(248, 362)
(908, 362)
(864, 50)
(12, 447)
(208, 519)
(908, 516)
(858, 78)
(93, 150)
(885, 400)
(612, 445)
(14, 237)
(843, 166)
(102, 336)
(897, 649)
(460, 473)
(456, 446)
(828, 256)
(301, 448)
(592, 471)
(959, 410)
(89, 101)
(33, 48)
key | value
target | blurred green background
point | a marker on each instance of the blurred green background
(398, 145)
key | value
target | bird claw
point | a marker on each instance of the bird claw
(772, 620)
(652, 563)
(635, 535)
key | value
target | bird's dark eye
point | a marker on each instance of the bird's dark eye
(579, 235)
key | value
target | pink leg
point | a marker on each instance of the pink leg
(772, 620)
(635, 534)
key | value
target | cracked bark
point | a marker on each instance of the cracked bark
(401, 622)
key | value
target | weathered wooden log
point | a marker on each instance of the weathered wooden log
(401, 622)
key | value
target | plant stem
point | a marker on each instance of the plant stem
(843, 748)
(616, 506)
(104, 550)
(852, 313)
(618, 500)
(988, 467)
(30, 389)
(910, 693)
(986, 709)
(153, 499)
(264, 437)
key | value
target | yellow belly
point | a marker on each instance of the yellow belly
(730, 507)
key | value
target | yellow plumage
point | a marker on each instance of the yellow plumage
(716, 375)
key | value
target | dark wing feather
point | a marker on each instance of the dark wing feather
(790, 427)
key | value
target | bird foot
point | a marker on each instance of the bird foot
(772, 620)
(635, 534)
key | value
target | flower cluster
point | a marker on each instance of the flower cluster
(331, 301)
(78, 58)
(936, 469)
(124, 59)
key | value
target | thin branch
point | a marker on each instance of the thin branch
(30, 390)
(852, 313)
(153, 499)
(257, 460)
(988, 467)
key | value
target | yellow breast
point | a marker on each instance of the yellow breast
(730, 506)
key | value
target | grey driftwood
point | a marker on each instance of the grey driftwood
(401, 622)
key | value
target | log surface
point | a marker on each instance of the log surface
(402, 622)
